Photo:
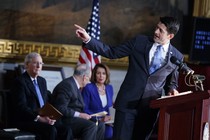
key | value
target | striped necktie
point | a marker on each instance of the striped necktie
(157, 59)
(38, 92)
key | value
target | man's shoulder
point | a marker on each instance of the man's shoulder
(24, 76)
(176, 53)
(144, 37)
(143, 40)
(41, 78)
(68, 80)
(65, 82)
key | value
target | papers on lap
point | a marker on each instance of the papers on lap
(99, 114)
(50, 111)
(109, 122)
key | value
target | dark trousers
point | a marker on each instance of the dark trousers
(45, 131)
(86, 129)
(134, 125)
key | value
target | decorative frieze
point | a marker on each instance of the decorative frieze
(61, 54)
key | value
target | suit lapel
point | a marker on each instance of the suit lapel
(80, 97)
(31, 87)
(170, 53)
(30, 84)
(168, 56)
(78, 92)
(148, 47)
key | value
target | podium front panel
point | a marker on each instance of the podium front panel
(182, 117)
(178, 122)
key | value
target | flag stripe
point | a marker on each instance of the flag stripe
(93, 29)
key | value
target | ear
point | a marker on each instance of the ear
(26, 66)
(83, 78)
(171, 36)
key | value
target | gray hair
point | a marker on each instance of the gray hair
(30, 56)
(82, 69)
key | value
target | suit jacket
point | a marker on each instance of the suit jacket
(92, 100)
(67, 98)
(138, 83)
(24, 101)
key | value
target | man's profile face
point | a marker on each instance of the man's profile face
(161, 34)
(86, 79)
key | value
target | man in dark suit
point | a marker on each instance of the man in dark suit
(134, 119)
(26, 101)
(68, 100)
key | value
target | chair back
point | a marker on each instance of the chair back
(3, 109)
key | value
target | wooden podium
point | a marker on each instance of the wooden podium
(183, 117)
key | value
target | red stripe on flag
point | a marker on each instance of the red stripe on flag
(89, 56)
(96, 60)
(81, 60)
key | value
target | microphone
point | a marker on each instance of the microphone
(182, 66)
(198, 77)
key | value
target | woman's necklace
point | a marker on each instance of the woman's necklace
(101, 89)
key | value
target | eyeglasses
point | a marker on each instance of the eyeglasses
(37, 63)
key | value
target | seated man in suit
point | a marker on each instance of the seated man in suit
(68, 100)
(28, 94)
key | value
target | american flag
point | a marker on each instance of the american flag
(93, 29)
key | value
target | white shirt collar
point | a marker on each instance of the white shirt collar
(78, 86)
(32, 79)
(165, 46)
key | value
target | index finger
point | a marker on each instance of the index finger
(78, 26)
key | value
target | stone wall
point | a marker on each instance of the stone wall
(52, 21)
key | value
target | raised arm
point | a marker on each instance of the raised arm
(81, 33)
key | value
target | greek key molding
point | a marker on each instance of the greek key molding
(61, 54)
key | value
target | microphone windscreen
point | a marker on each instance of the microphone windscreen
(174, 60)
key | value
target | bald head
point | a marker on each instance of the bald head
(81, 70)
(82, 73)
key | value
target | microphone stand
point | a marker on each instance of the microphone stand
(198, 82)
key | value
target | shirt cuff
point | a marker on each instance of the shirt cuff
(37, 118)
(76, 114)
(87, 41)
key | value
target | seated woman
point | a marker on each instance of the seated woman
(98, 96)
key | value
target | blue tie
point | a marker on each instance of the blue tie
(157, 59)
(41, 102)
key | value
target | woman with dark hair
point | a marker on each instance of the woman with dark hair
(98, 96)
